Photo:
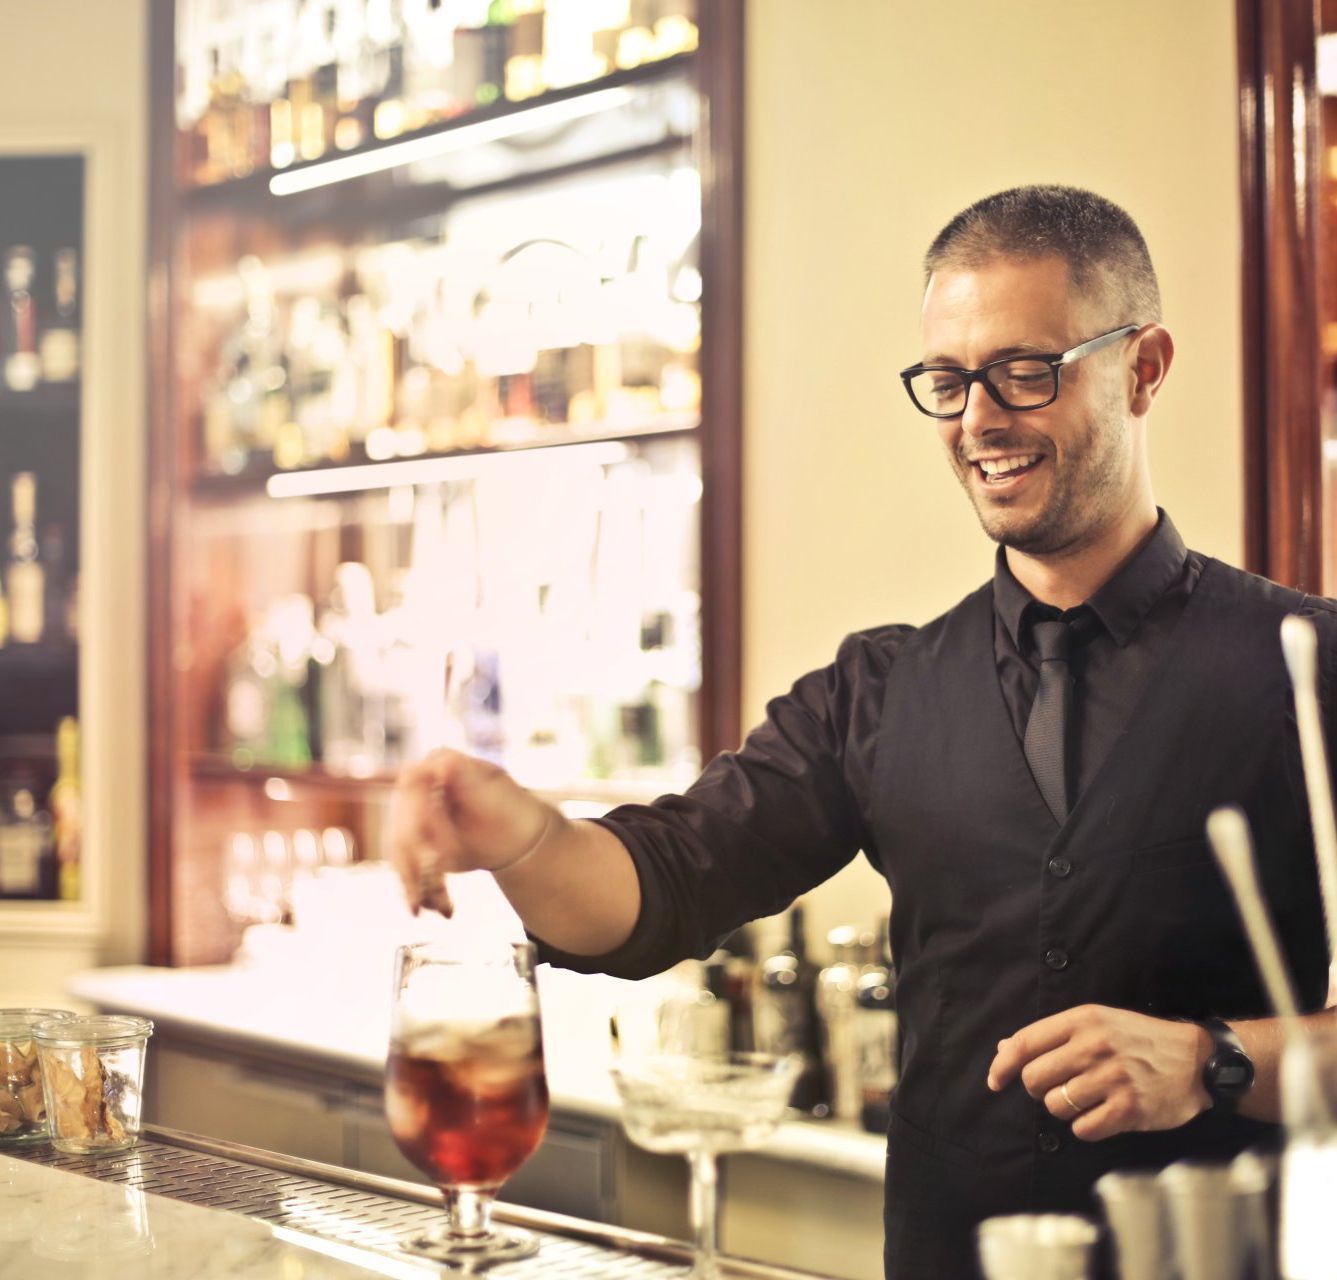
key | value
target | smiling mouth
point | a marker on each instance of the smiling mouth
(998, 471)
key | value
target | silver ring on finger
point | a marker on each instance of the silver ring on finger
(1067, 1097)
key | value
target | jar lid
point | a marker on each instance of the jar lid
(93, 1028)
(15, 1023)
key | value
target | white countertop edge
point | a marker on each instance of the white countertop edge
(174, 997)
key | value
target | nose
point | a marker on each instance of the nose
(983, 414)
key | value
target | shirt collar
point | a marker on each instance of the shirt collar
(1122, 602)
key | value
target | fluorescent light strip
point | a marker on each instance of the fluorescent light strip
(467, 135)
(410, 471)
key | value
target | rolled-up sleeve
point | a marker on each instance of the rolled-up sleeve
(762, 824)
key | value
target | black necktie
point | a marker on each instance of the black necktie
(1047, 728)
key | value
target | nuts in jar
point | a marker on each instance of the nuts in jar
(22, 1101)
(93, 1076)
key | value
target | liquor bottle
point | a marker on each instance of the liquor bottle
(25, 580)
(66, 811)
(26, 852)
(385, 20)
(785, 1018)
(739, 950)
(352, 719)
(836, 986)
(496, 51)
(55, 570)
(22, 364)
(60, 334)
(524, 63)
(875, 1038)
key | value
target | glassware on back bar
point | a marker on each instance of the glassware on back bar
(465, 1093)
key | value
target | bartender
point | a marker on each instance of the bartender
(1031, 772)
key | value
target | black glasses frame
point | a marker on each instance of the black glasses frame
(981, 375)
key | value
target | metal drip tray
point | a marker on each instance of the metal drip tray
(369, 1212)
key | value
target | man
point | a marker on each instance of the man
(1031, 772)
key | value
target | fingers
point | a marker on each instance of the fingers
(1031, 1042)
(421, 838)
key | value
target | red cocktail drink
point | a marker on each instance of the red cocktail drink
(468, 1109)
(465, 1093)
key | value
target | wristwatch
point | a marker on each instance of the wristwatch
(1228, 1074)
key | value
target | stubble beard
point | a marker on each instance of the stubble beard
(1085, 487)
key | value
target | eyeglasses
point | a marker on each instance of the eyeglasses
(1014, 382)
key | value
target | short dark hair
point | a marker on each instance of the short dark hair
(1101, 244)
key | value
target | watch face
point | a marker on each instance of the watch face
(1229, 1074)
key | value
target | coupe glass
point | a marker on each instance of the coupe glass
(465, 1093)
(703, 1106)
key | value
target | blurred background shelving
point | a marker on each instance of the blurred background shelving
(448, 451)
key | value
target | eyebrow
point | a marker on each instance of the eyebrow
(1001, 353)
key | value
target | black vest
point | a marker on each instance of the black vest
(1001, 917)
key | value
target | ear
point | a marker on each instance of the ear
(1153, 353)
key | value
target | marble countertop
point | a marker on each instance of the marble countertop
(341, 1016)
(55, 1224)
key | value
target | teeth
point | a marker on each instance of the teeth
(1001, 466)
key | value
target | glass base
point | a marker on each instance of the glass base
(474, 1253)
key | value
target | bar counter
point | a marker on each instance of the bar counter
(180, 1207)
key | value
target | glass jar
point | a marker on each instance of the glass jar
(22, 1103)
(93, 1074)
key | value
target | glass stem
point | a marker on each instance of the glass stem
(705, 1214)
(469, 1213)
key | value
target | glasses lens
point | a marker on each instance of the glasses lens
(1023, 383)
(938, 391)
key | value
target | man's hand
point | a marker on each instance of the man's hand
(1123, 1071)
(452, 812)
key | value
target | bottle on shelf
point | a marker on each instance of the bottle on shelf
(66, 811)
(851, 952)
(739, 952)
(54, 559)
(22, 363)
(25, 579)
(27, 855)
(876, 1037)
(59, 346)
(786, 1020)
(351, 695)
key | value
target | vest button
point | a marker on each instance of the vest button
(1060, 866)
(1048, 1142)
(1056, 959)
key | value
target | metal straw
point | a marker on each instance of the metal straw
(1228, 831)
(1299, 643)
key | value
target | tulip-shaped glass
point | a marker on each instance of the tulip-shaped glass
(465, 1093)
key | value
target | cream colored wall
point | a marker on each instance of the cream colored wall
(77, 76)
(870, 123)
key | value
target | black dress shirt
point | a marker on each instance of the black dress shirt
(744, 841)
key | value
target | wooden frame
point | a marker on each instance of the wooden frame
(1279, 144)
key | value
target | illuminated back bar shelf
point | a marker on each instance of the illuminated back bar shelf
(448, 451)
